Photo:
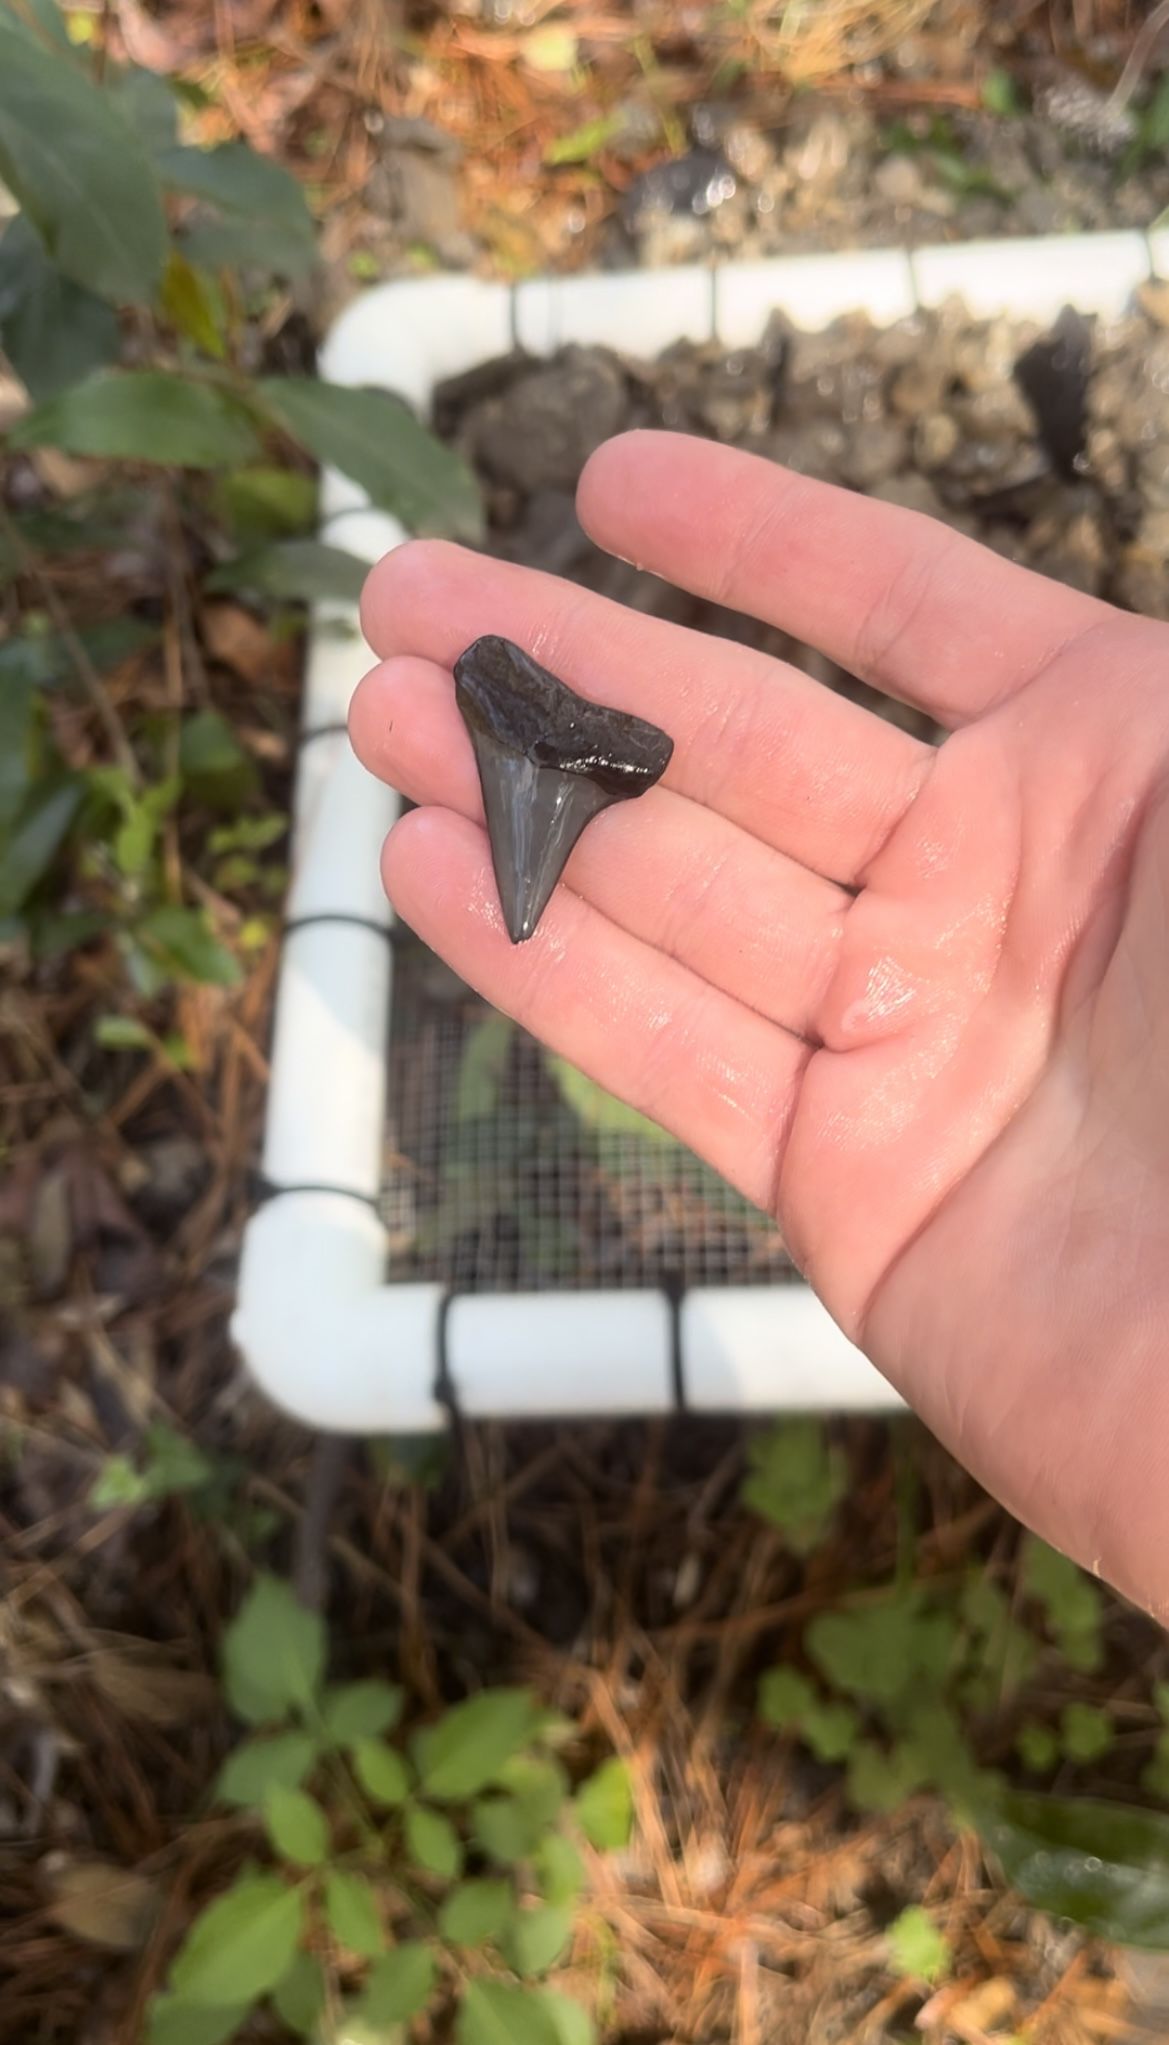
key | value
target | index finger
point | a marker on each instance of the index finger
(893, 596)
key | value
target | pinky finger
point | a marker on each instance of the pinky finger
(715, 1074)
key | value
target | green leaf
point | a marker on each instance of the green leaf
(28, 848)
(173, 1463)
(43, 21)
(371, 437)
(465, 1751)
(172, 2021)
(482, 1066)
(214, 766)
(506, 1831)
(1155, 1775)
(796, 1481)
(273, 1654)
(76, 166)
(264, 503)
(399, 1986)
(258, 1766)
(476, 1912)
(1072, 1602)
(1037, 1746)
(146, 415)
(1000, 94)
(785, 1697)
(296, 1826)
(181, 944)
(1085, 1731)
(831, 1730)
(193, 305)
(559, 1869)
(299, 1996)
(882, 1651)
(53, 331)
(295, 571)
(585, 142)
(381, 1771)
(880, 1781)
(241, 1945)
(917, 1949)
(17, 696)
(122, 1033)
(433, 1843)
(538, 1783)
(1106, 1866)
(119, 1483)
(538, 1937)
(360, 1711)
(491, 2013)
(351, 1908)
(572, 2024)
(600, 1110)
(604, 1807)
(262, 218)
(147, 101)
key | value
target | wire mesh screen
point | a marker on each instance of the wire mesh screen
(508, 1171)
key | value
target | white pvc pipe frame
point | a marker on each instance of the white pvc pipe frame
(319, 1327)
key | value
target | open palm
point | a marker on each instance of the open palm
(915, 1001)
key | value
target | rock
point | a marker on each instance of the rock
(913, 493)
(1143, 581)
(1053, 376)
(935, 437)
(1153, 299)
(748, 152)
(818, 448)
(1075, 554)
(899, 180)
(549, 762)
(540, 433)
(919, 387)
(875, 450)
(409, 131)
(696, 185)
(997, 412)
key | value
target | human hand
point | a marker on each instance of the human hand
(914, 1001)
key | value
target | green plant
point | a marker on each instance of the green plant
(796, 1481)
(433, 1872)
(942, 151)
(130, 278)
(169, 1466)
(917, 1949)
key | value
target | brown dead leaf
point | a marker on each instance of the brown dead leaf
(102, 1903)
(139, 1686)
(241, 642)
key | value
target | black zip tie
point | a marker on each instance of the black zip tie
(265, 1190)
(390, 931)
(675, 1293)
(338, 729)
(445, 1393)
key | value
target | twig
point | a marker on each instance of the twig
(1137, 58)
(86, 672)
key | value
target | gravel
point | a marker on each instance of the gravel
(1062, 463)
